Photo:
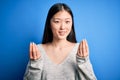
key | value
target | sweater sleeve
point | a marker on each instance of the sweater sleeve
(85, 69)
(34, 70)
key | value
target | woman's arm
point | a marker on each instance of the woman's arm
(35, 64)
(85, 69)
(34, 70)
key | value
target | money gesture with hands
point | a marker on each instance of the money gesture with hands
(34, 52)
(83, 50)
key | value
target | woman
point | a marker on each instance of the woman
(59, 57)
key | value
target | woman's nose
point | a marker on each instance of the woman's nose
(62, 25)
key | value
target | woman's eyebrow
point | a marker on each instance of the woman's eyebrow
(68, 18)
(56, 19)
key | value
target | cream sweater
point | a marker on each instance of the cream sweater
(72, 68)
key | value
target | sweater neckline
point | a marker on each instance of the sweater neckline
(63, 61)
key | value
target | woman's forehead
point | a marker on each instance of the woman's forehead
(62, 15)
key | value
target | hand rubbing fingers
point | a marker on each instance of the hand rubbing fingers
(84, 48)
(86, 51)
(37, 52)
(30, 51)
(80, 49)
(34, 51)
(87, 47)
(81, 55)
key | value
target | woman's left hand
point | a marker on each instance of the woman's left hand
(83, 50)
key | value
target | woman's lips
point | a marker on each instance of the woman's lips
(62, 33)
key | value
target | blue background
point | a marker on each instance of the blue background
(23, 21)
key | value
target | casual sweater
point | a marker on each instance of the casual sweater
(72, 68)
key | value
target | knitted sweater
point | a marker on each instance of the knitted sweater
(72, 68)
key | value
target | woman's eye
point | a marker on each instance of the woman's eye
(56, 21)
(67, 22)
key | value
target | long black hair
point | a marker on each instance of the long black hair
(48, 35)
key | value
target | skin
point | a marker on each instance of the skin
(61, 25)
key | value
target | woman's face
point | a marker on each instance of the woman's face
(61, 24)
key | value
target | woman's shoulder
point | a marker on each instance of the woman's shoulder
(75, 44)
(43, 46)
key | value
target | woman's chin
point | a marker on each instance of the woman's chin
(62, 37)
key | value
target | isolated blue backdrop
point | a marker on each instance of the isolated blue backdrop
(22, 21)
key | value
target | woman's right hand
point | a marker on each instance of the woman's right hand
(34, 52)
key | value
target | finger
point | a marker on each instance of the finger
(78, 51)
(30, 51)
(81, 52)
(82, 48)
(34, 51)
(37, 52)
(87, 48)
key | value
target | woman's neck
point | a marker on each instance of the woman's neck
(60, 43)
